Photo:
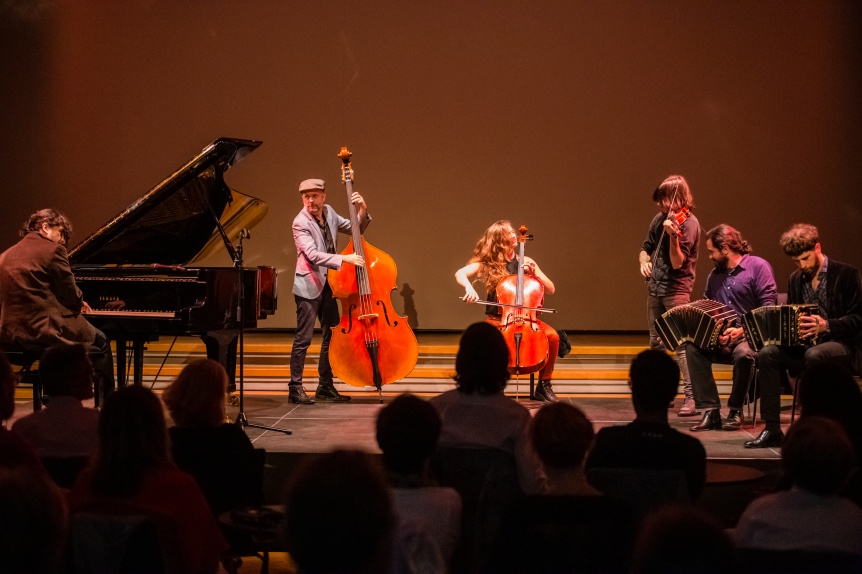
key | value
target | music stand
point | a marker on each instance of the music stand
(241, 418)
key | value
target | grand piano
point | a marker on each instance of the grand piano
(138, 271)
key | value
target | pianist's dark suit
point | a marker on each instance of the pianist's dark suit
(40, 304)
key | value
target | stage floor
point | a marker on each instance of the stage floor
(324, 426)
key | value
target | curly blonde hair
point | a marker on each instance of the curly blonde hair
(491, 252)
(197, 396)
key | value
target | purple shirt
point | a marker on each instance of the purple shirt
(749, 285)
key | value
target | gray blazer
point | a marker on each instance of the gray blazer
(312, 260)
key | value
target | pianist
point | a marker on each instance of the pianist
(314, 232)
(40, 304)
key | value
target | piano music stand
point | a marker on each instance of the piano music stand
(237, 261)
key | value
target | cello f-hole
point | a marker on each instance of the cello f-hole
(386, 314)
(349, 327)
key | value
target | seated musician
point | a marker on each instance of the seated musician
(835, 335)
(40, 304)
(742, 282)
(493, 260)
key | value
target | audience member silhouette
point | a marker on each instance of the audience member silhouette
(649, 442)
(829, 390)
(817, 457)
(33, 522)
(408, 429)
(477, 415)
(14, 450)
(573, 526)
(132, 473)
(682, 540)
(339, 517)
(218, 454)
(65, 427)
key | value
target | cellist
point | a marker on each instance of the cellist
(494, 259)
(314, 233)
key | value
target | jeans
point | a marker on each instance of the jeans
(703, 384)
(656, 306)
(773, 358)
(325, 310)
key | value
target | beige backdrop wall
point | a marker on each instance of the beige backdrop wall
(559, 115)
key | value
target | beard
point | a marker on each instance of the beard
(720, 265)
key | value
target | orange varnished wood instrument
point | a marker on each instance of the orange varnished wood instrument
(372, 345)
(521, 296)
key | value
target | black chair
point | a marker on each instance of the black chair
(644, 489)
(487, 481)
(28, 360)
(799, 561)
(107, 543)
(64, 470)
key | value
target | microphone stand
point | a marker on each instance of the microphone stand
(240, 309)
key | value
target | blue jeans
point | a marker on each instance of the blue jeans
(656, 306)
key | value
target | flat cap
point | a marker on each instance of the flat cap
(312, 185)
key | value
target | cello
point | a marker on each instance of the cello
(372, 345)
(521, 297)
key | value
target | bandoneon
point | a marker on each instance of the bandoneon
(776, 325)
(700, 323)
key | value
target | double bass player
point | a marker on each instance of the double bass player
(314, 233)
(493, 260)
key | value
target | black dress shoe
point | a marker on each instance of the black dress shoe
(297, 395)
(733, 421)
(711, 421)
(766, 439)
(329, 394)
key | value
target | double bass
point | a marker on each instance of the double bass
(521, 296)
(372, 345)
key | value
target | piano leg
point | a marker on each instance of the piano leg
(221, 346)
(121, 362)
(137, 346)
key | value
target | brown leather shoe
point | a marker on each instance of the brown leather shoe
(733, 421)
(688, 409)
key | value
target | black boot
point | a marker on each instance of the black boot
(711, 421)
(768, 438)
(733, 420)
(297, 395)
(327, 392)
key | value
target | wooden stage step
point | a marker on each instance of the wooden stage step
(598, 363)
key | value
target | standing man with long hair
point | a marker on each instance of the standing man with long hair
(667, 261)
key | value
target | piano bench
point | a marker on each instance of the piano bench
(28, 359)
(27, 373)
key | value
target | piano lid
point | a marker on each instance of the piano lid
(173, 224)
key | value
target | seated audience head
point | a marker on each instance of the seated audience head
(34, 521)
(654, 379)
(407, 432)
(817, 455)
(133, 439)
(8, 381)
(482, 362)
(682, 540)
(354, 499)
(196, 397)
(561, 435)
(66, 371)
